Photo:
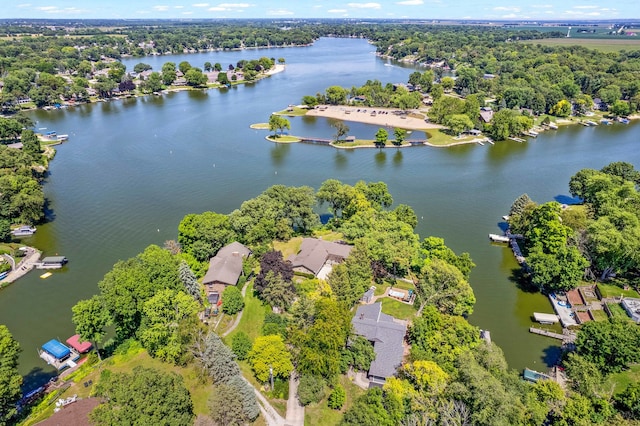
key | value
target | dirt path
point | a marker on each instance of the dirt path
(295, 411)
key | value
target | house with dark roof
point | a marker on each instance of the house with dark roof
(486, 114)
(225, 268)
(386, 333)
(316, 256)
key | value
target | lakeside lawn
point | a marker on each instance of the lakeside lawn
(617, 382)
(288, 247)
(293, 112)
(397, 309)
(283, 138)
(321, 414)
(260, 126)
(618, 311)
(602, 44)
(611, 290)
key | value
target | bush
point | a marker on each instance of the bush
(311, 389)
(337, 398)
(232, 301)
(241, 345)
(274, 324)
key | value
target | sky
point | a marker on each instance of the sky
(283, 9)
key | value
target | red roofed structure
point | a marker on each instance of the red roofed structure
(81, 347)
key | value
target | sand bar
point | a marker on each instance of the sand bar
(383, 117)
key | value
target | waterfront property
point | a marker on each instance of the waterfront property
(386, 333)
(225, 268)
(317, 257)
(58, 355)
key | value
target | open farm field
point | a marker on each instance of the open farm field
(602, 44)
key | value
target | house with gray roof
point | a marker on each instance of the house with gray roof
(386, 333)
(225, 268)
(317, 256)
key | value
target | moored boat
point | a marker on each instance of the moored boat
(24, 231)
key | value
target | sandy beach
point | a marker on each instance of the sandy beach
(383, 117)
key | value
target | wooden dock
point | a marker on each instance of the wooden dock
(317, 141)
(566, 338)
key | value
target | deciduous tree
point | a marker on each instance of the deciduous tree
(10, 379)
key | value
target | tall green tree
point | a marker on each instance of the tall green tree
(10, 379)
(91, 318)
(278, 123)
(381, 137)
(269, 354)
(146, 396)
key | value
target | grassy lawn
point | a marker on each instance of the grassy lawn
(439, 138)
(380, 289)
(288, 247)
(619, 381)
(618, 311)
(602, 44)
(403, 285)
(321, 414)
(397, 309)
(610, 290)
(599, 314)
(283, 138)
(295, 112)
(252, 317)
(260, 126)
(328, 235)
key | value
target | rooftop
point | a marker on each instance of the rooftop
(314, 253)
(387, 335)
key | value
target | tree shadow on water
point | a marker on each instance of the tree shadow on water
(36, 378)
(551, 355)
(522, 281)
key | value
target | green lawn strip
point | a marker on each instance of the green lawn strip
(617, 382)
(397, 309)
(599, 314)
(403, 285)
(288, 247)
(283, 138)
(321, 414)
(260, 126)
(610, 290)
(618, 311)
(293, 111)
(601, 44)
(252, 317)
(380, 289)
(439, 138)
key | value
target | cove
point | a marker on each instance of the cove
(133, 168)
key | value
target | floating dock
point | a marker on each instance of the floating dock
(534, 376)
(546, 318)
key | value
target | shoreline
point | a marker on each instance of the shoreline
(23, 267)
(383, 117)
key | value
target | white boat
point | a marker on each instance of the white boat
(24, 231)
(553, 126)
(63, 137)
(498, 238)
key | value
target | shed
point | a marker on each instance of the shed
(75, 343)
(367, 297)
(56, 349)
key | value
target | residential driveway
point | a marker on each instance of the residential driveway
(295, 411)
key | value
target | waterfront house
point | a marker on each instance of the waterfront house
(486, 114)
(225, 267)
(386, 334)
(317, 257)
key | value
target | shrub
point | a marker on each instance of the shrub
(232, 301)
(337, 398)
(241, 345)
(311, 389)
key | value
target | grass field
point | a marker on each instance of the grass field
(397, 309)
(288, 247)
(283, 138)
(619, 381)
(321, 414)
(609, 290)
(602, 44)
(618, 311)
(252, 317)
(599, 315)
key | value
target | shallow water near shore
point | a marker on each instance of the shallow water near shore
(133, 168)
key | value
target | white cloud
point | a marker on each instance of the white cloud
(542, 6)
(279, 12)
(200, 5)
(233, 5)
(24, 5)
(411, 2)
(585, 7)
(364, 5)
(47, 8)
(187, 13)
(337, 11)
(161, 8)
(507, 9)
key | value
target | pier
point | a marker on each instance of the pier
(566, 338)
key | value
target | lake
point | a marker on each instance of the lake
(133, 168)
